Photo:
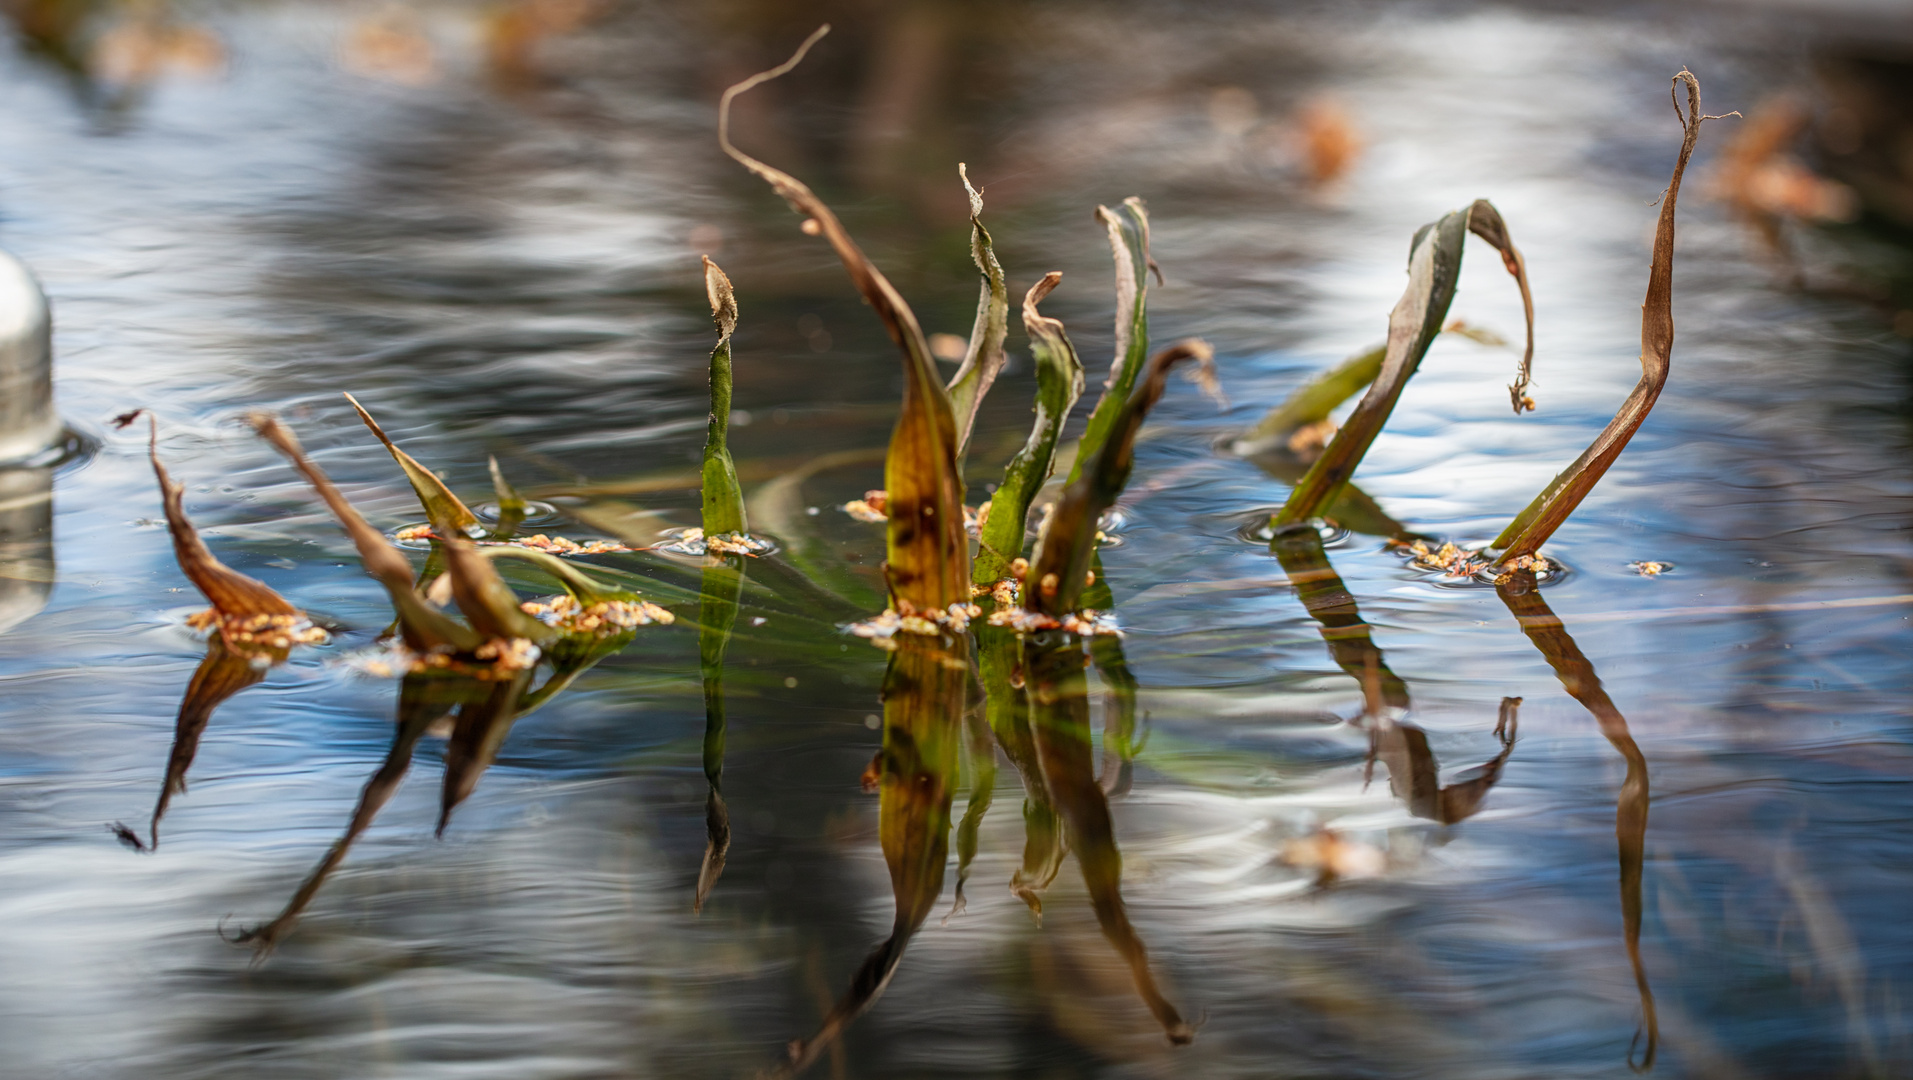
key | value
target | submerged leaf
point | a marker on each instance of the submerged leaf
(442, 508)
(1434, 268)
(916, 772)
(1059, 720)
(928, 549)
(1128, 227)
(1532, 527)
(722, 496)
(1059, 382)
(1059, 570)
(983, 358)
(424, 627)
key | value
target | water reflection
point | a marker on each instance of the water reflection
(1577, 676)
(220, 675)
(26, 543)
(1413, 773)
(722, 587)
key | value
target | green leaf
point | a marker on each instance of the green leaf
(723, 496)
(1059, 382)
(511, 505)
(1061, 565)
(1128, 227)
(983, 361)
(449, 516)
(1434, 268)
(1532, 527)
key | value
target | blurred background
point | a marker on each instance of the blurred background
(485, 220)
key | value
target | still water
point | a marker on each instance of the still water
(1691, 845)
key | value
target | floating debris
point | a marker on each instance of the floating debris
(1650, 568)
(1332, 857)
(1447, 559)
(550, 545)
(873, 507)
(1085, 623)
(694, 542)
(881, 629)
(605, 618)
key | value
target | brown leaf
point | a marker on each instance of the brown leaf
(233, 594)
(449, 516)
(928, 549)
(424, 627)
(1529, 530)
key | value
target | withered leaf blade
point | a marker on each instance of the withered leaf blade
(999, 655)
(1059, 571)
(1434, 269)
(928, 549)
(425, 628)
(449, 516)
(488, 603)
(723, 496)
(1059, 382)
(1059, 720)
(984, 359)
(1532, 527)
(1128, 227)
(232, 594)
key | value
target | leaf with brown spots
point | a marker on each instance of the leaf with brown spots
(928, 549)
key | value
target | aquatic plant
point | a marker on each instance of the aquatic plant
(1531, 528)
(1434, 269)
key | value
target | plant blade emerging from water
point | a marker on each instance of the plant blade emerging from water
(1434, 268)
(1059, 382)
(722, 496)
(1128, 227)
(1060, 569)
(448, 515)
(928, 549)
(1532, 527)
(984, 359)
(424, 627)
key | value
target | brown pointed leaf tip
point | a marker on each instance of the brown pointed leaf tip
(252, 619)
(448, 515)
(927, 548)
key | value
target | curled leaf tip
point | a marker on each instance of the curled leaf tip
(717, 287)
(447, 514)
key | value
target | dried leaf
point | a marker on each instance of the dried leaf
(1532, 527)
(425, 628)
(983, 358)
(488, 603)
(449, 516)
(723, 496)
(1059, 382)
(1128, 227)
(1434, 268)
(928, 549)
(233, 595)
(1061, 564)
